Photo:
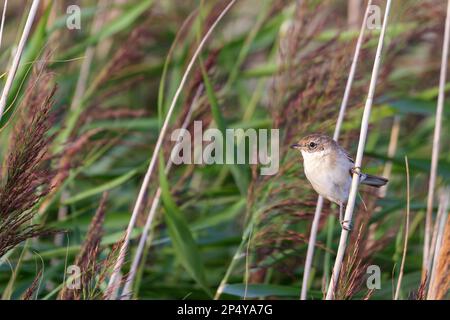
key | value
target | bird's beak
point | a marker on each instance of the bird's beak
(295, 146)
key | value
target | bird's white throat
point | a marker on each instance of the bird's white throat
(313, 159)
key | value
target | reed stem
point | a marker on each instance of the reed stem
(435, 152)
(337, 130)
(15, 63)
(405, 246)
(359, 156)
(151, 167)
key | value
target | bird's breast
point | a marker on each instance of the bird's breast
(329, 177)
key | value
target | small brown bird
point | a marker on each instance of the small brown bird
(329, 169)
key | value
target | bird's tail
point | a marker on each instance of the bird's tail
(373, 181)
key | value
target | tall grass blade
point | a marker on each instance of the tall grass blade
(182, 240)
(126, 293)
(32, 52)
(435, 150)
(405, 246)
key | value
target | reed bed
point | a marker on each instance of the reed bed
(87, 179)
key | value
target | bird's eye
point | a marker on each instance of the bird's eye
(312, 145)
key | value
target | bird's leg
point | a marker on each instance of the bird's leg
(345, 224)
(356, 170)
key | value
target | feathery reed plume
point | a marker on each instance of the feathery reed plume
(353, 272)
(87, 257)
(420, 294)
(28, 294)
(129, 53)
(405, 246)
(360, 153)
(15, 63)
(435, 151)
(28, 176)
(156, 150)
(340, 119)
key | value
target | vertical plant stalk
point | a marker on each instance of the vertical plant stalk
(327, 256)
(392, 148)
(435, 152)
(127, 289)
(359, 157)
(126, 293)
(5, 5)
(400, 275)
(353, 9)
(89, 53)
(151, 167)
(442, 204)
(337, 130)
(15, 63)
(437, 241)
(80, 89)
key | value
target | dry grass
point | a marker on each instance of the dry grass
(441, 284)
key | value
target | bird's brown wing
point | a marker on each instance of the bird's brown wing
(349, 157)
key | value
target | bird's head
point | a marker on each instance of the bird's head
(313, 143)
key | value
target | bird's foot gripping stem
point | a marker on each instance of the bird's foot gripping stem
(356, 170)
(346, 225)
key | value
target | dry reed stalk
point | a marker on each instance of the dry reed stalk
(441, 284)
(80, 89)
(438, 234)
(337, 130)
(435, 152)
(126, 292)
(405, 246)
(89, 53)
(15, 63)
(392, 148)
(353, 10)
(5, 4)
(113, 12)
(151, 167)
(359, 156)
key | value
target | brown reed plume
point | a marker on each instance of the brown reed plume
(28, 173)
(353, 271)
(28, 294)
(86, 259)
